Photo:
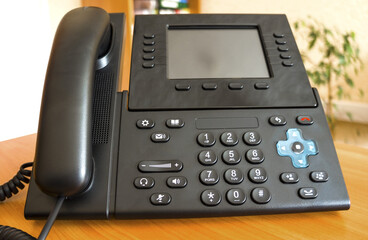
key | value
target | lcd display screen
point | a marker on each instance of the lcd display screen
(215, 53)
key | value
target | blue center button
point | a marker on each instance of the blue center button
(297, 148)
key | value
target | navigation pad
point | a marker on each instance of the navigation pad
(297, 148)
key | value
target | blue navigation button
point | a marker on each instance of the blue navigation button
(297, 148)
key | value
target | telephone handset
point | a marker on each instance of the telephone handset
(63, 164)
(221, 121)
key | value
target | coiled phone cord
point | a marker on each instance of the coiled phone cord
(9, 189)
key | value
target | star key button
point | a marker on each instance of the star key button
(211, 197)
(145, 123)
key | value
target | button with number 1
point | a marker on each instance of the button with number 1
(206, 139)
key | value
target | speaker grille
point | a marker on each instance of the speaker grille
(102, 107)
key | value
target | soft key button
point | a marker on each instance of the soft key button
(297, 148)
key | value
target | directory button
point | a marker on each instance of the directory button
(175, 123)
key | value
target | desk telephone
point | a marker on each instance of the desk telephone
(219, 120)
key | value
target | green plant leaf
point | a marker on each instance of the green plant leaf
(361, 92)
(348, 80)
(296, 25)
(340, 92)
(350, 116)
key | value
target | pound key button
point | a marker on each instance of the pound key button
(160, 198)
(261, 195)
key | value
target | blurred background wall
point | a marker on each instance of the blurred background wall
(28, 26)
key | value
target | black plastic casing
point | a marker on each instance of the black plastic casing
(119, 145)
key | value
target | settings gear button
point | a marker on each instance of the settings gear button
(145, 123)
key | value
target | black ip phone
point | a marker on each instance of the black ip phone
(219, 120)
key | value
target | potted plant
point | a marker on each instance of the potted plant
(331, 57)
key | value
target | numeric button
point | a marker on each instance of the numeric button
(207, 157)
(231, 157)
(257, 175)
(209, 177)
(229, 139)
(233, 176)
(252, 138)
(206, 139)
(236, 196)
(254, 155)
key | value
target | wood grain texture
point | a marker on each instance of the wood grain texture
(351, 224)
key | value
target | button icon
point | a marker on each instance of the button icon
(308, 193)
(145, 123)
(160, 199)
(277, 120)
(261, 195)
(160, 137)
(175, 123)
(319, 176)
(304, 120)
(289, 177)
(211, 197)
(176, 182)
(144, 182)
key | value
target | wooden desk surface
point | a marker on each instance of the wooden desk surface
(351, 224)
